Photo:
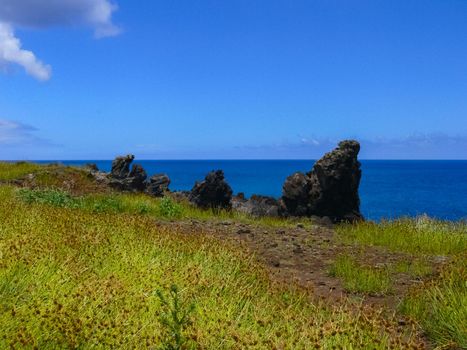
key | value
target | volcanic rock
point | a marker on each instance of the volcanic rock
(256, 206)
(123, 179)
(121, 166)
(158, 185)
(213, 192)
(330, 189)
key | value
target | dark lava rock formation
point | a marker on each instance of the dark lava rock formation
(121, 166)
(121, 178)
(158, 185)
(213, 192)
(330, 189)
(257, 205)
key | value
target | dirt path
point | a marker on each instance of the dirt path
(303, 256)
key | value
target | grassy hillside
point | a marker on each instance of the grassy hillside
(86, 270)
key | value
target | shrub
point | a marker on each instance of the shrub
(53, 197)
(176, 318)
(169, 209)
(107, 204)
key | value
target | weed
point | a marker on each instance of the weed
(169, 209)
(105, 204)
(53, 197)
(176, 318)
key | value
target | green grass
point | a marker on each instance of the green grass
(11, 171)
(358, 278)
(164, 208)
(80, 265)
(78, 278)
(53, 197)
(440, 306)
(416, 268)
(421, 236)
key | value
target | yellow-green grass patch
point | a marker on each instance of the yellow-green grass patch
(358, 278)
(420, 236)
(76, 278)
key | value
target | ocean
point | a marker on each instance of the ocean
(388, 189)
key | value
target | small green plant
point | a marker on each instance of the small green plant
(176, 318)
(107, 204)
(53, 197)
(169, 209)
(143, 208)
(361, 279)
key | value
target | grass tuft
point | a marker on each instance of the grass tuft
(421, 236)
(360, 279)
(440, 306)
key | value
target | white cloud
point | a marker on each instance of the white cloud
(96, 14)
(11, 52)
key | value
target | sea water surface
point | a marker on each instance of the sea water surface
(388, 189)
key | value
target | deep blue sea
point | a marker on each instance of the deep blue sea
(389, 188)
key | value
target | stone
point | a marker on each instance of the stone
(295, 194)
(137, 178)
(335, 179)
(256, 206)
(121, 166)
(92, 167)
(214, 192)
(121, 178)
(158, 185)
(329, 189)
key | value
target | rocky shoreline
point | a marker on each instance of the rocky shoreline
(329, 190)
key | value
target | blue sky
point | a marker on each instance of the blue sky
(232, 79)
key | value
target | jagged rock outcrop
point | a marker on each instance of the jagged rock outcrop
(330, 189)
(158, 185)
(257, 205)
(295, 194)
(123, 179)
(213, 192)
(92, 167)
(121, 166)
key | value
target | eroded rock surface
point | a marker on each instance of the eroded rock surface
(330, 189)
(212, 192)
(158, 185)
(123, 179)
(257, 205)
(121, 166)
